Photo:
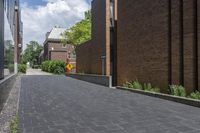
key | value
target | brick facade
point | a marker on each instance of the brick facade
(100, 44)
(162, 41)
(100, 36)
(176, 41)
(188, 32)
(83, 58)
(143, 41)
(58, 55)
(55, 51)
(157, 41)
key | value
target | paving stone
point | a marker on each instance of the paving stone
(10, 109)
(59, 104)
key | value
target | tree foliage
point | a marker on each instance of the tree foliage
(32, 53)
(80, 32)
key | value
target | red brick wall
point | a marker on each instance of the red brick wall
(100, 43)
(100, 36)
(149, 46)
(83, 58)
(58, 52)
(58, 55)
(143, 41)
(56, 46)
(176, 41)
(188, 17)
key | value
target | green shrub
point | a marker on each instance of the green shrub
(195, 95)
(133, 85)
(45, 66)
(147, 86)
(59, 70)
(156, 90)
(137, 85)
(177, 90)
(56, 67)
(22, 68)
(127, 84)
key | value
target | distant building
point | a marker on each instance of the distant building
(54, 49)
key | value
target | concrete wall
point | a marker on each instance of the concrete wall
(96, 79)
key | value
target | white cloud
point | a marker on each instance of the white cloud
(41, 19)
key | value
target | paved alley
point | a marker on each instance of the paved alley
(31, 71)
(58, 104)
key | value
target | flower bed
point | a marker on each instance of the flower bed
(176, 93)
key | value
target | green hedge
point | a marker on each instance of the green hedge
(56, 67)
(22, 68)
(137, 85)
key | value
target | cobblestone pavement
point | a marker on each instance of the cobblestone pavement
(58, 104)
(10, 109)
(31, 71)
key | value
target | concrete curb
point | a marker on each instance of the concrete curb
(96, 79)
(10, 109)
(183, 100)
(5, 87)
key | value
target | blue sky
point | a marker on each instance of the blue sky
(34, 2)
(39, 2)
(40, 16)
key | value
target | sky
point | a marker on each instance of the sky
(40, 16)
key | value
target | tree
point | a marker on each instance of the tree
(32, 53)
(80, 32)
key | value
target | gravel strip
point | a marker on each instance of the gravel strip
(11, 107)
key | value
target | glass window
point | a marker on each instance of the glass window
(8, 48)
(112, 14)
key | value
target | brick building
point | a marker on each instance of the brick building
(153, 41)
(163, 42)
(55, 50)
(95, 54)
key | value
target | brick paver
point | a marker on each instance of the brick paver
(58, 104)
